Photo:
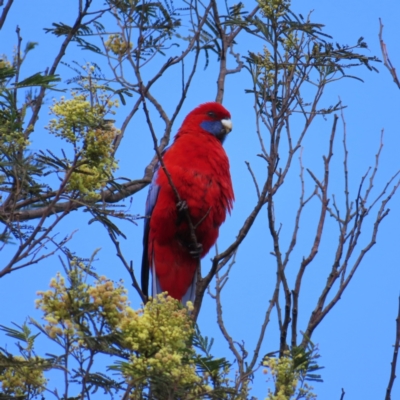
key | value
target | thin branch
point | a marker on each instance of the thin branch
(386, 61)
(320, 311)
(128, 267)
(219, 285)
(394, 359)
(318, 235)
(345, 162)
(254, 179)
(6, 9)
(375, 170)
(272, 304)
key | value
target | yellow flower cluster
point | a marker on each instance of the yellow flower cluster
(118, 45)
(4, 63)
(286, 378)
(12, 140)
(160, 337)
(274, 9)
(110, 301)
(23, 379)
(266, 68)
(99, 163)
(291, 41)
(74, 116)
(82, 123)
(61, 303)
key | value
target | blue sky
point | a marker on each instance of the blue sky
(355, 340)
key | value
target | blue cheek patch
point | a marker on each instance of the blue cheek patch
(215, 128)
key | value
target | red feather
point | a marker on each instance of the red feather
(199, 169)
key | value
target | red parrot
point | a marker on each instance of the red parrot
(199, 169)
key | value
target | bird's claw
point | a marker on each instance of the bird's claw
(196, 250)
(181, 205)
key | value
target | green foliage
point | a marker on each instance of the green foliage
(215, 371)
(297, 51)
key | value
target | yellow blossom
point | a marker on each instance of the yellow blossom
(22, 378)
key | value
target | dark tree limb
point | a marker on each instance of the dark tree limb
(395, 355)
(108, 196)
(6, 9)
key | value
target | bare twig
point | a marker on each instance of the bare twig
(254, 179)
(386, 61)
(128, 267)
(395, 355)
(295, 292)
(272, 304)
(220, 282)
(6, 9)
(321, 310)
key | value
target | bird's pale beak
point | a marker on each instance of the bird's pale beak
(227, 124)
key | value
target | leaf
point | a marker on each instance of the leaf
(85, 45)
(39, 80)
(314, 378)
(99, 380)
(53, 160)
(30, 46)
(59, 29)
(16, 334)
(211, 365)
(101, 217)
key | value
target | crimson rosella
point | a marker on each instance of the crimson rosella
(199, 169)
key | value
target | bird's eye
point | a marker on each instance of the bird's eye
(212, 114)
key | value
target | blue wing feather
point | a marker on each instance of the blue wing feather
(150, 204)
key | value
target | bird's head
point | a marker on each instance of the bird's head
(212, 118)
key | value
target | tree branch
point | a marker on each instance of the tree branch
(6, 9)
(395, 355)
(386, 61)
